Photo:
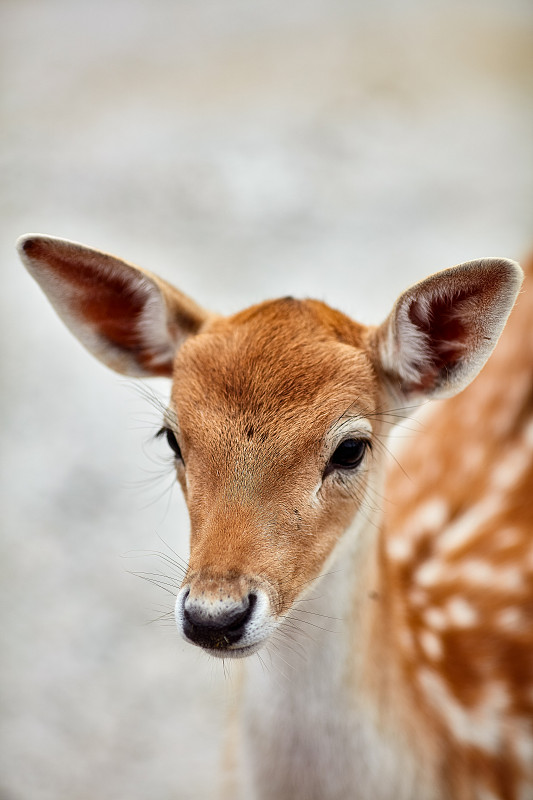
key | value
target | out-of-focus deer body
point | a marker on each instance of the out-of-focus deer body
(394, 636)
(457, 561)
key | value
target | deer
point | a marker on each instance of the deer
(389, 602)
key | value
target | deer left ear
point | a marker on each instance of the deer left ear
(127, 317)
(441, 331)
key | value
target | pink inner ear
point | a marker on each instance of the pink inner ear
(114, 312)
(448, 323)
(114, 309)
(109, 298)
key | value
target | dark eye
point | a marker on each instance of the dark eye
(172, 441)
(348, 454)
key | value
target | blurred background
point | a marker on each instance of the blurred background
(243, 150)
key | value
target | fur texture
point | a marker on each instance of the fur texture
(421, 689)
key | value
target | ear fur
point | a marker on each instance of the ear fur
(441, 331)
(128, 318)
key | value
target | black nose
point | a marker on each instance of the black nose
(216, 625)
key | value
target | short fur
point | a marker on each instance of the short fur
(424, 692)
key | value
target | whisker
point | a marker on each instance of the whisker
(162, 618)
(155, 582)
(308, 599)
(277, 667)
(389, 452)
(159, 576)
(316, 614)
(307, 622)
(291, 623)
(281, 637)
(180, 558)
(263, 665)
(154, 554)
(317, 577)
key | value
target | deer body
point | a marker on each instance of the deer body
(278, 419)
(457, 558)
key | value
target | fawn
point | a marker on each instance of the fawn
(278, 420)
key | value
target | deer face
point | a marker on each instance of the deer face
(274, 451)
(275, 413)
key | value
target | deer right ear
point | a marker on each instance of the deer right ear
(441, 332)
(128, 318)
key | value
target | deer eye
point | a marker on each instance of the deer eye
(172, 441)
(348, 455)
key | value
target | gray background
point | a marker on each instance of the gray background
(243, 150)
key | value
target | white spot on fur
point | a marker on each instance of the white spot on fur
(523, 743)
(399, 549)
(435, 618)
(509, 618)
(528, 433)
(461, 613)
(479, 726)
(431, 645)
(429, 573)
(485, 794)
(429, 517)
(477, 571)
(503, 579)
(467, 526)
(509, 471)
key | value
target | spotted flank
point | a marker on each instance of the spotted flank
(458, 559)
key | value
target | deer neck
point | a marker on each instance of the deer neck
(334, 629)
(323, 699)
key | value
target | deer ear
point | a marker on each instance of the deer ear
(441, 331)
(129, 319)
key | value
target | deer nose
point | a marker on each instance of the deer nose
(216, 624)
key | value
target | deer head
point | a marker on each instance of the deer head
(276, 414)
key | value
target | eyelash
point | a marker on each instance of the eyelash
(171, 440)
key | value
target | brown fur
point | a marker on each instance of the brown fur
(253, 395)
(440, 628)
(456, 457)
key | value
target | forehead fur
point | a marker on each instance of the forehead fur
(275, 362)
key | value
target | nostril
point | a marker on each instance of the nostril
(247, 612)
(217, 625)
